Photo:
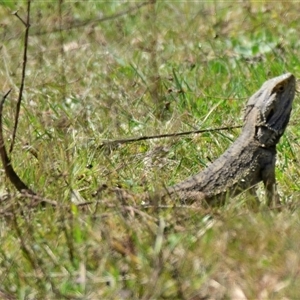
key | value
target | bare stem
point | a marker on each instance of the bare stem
(27, 25)
(9, 171)
(159, 136)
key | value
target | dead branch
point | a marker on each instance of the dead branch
(159, 136)
(9, 171)
(27, 25)
(78, 24)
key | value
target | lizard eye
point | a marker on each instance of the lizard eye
(278, 88)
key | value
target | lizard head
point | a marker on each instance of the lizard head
(272, 105)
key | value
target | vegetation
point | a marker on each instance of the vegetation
(99, 71)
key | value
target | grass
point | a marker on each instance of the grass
(166, 67)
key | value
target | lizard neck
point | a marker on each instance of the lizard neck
(249, 128)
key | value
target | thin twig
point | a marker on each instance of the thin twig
(63, 79)
(15, 13)
(9, 171)
(159, 136)
(38, 200)
(75, 25)
(27, 24)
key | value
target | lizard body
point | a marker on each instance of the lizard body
(251, 158)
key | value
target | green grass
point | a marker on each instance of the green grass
(168, 67)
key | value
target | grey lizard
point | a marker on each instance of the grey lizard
(251, 158)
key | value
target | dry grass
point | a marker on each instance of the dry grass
(165, 67)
